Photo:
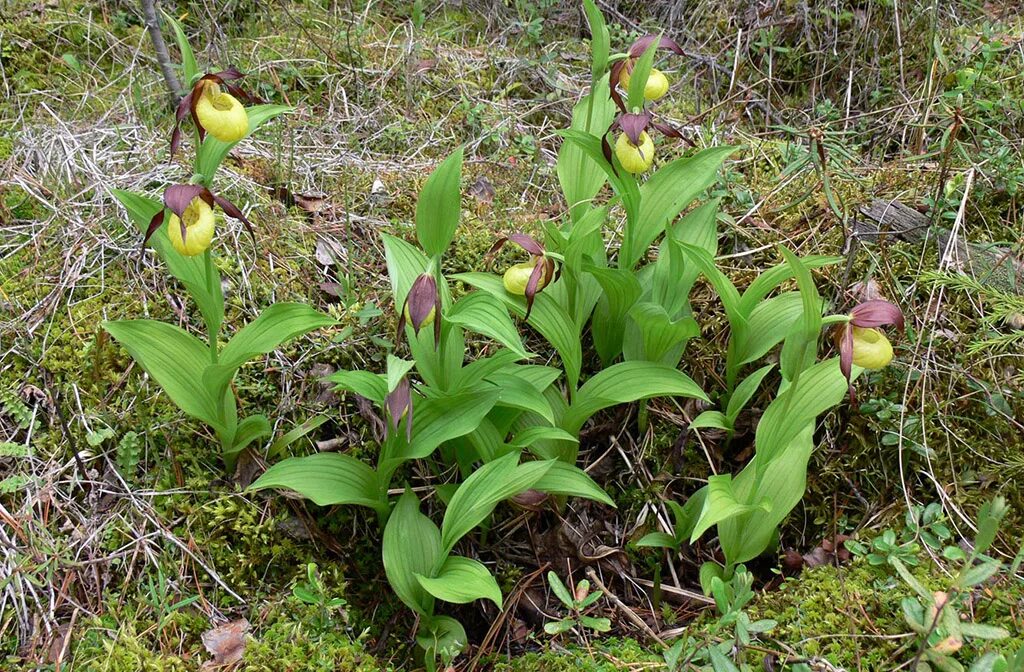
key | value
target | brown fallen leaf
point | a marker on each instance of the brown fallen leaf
(226, 643)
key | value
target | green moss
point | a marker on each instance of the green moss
(608, 655)
(286, 635)
(851, 616)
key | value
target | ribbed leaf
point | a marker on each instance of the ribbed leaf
(620, 292)
(483, 313)
(411, 546)
(667, 193)
(722, 504)
(250, 429)
(662, 339)
(443, 418)
(744, 391)
(176, 361)
(373, 386)
(212, 151)
(405, 262)
(567, 479)
(277, 324)
(527, 437)
(462, 580)
(579, 176)
(483, 490)
(820, 388)
(624, 383)
(514, 392)
(768, 324)
(767, 281)
(189, 67)
(549, 318)
(326, 479)
(439, 205)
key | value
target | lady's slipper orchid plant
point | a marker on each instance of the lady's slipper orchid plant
(190, 228)
(213, 110)
(197, 373)
(529, 277)
(861, 343)
(422, 306)
(634, 148)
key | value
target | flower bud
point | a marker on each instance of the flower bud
(221, 114)
(871, 349)
(635, 158)
(421, 306)
(517, 277)
(656, 87)
(427, 321)
(199, 222)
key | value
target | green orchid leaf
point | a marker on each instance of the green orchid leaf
(176, 360)
(460, 581)
(627, 382)
(326, 479)
(439, 206)
(411, 548)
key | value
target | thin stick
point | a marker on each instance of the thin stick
(629, 613)
(160, 47)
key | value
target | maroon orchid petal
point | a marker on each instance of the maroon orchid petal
(226, 75)
(197, 91)
(846, 356)
(399, 403)
(524, 241)
(154, 224)
(666, 130)
(530, 245)
(634, 124)
(606, 149)
(614, 78)
(641, 45)
(531, 285)
(493, 251)
(177, 197)
(876, 313)
(242, 94)
(551, 273)
(184, 105)
(232, 210)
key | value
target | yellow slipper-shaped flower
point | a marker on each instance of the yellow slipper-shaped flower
(199, 224)
(871, 349)
(221, 114)
(656, 87)
(517, 277)
(635, 158)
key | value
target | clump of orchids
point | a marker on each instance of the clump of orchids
(181, 228)
(634, 147)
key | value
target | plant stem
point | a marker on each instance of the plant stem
(210, 282)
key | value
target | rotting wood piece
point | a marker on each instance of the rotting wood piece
(996, 265)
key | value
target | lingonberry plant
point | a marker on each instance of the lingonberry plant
(181, 227)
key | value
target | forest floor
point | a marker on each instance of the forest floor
(131, 564)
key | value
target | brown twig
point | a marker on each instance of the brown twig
(163, 58)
